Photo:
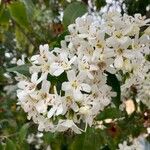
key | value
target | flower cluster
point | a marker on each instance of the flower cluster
(35, 139)
(67, 85)
(135, 144)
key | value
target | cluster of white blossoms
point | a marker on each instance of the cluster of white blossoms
(67, 85)
(139, 143)
(35, 139)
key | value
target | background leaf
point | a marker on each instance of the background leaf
(115, 84)
(100, 3)
(73, 11)
(10, 145)
(23, 132)
(19, 14)
(110, 113)
(22, 69)
(4, 16)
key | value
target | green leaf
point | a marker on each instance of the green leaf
(100, 3)
(2, 77)
(110, 113)
(10, 145)
(74, 10)
(78, 142)
(30, 8)
(22, 69)
(23, 132)
(19, 14)
(81, 142)
(4, 16)
(115, 84)
(21, 40)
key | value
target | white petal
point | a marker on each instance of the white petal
(118, 62)
(58, 71)
(85, 87)
(41, 107)
(59, 110)
(72, 60)
(76, 129)
(63, 56)
(71, 75)
(43, 77)
(77, 94)
(46, 47)
(34, 77)
(90, 75)
(34, 57)
(93, 67)
(51, 112)
(75, 107)
(45, 86)
(66, 86)
(22, 84)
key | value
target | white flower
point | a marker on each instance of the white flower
(56, 107)
(63, 64)
(75, 84)
(86, 67)
(69, 103)
(64, 125)
(124, 146)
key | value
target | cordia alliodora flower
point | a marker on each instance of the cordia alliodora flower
(91, 50)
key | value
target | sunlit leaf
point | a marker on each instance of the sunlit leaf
(73, 11)
(19, 14)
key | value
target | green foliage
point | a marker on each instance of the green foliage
(134, 6)
(73, 11)
(115, 84)
(10, 145)
(19, 14)
(23, 132)
(100, 3)
(30, 8)
(110, 113)
(87, 140)
(4, 16)
(22, 69)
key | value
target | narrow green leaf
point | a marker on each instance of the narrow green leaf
(115, 84)
(2, 77)
(10, 145)
(23, 132)
(74, 10)
(22, 69)
(30, 8)
(4, 16)
(19, 14)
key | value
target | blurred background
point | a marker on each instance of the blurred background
(24, 25)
